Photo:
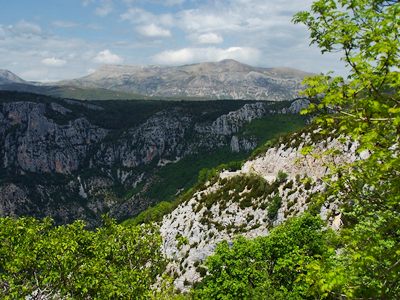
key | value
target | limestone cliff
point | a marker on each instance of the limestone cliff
(262, 194)
(70, 159)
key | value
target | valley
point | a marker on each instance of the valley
(79, 160)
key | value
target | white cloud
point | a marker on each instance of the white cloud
(257, 24)
(239, 15)
(149, 24)
(173, 2)
(87, 2)
(159, 2)
(153, 30)
(140, 16)
(27, 28)
(105, 8)
(2, 32)
(22, 52)
(209, 38)
(107, 57)
(65, 24)
(169, 2)
(191, 55)
(53, 62)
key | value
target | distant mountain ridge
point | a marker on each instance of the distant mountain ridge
(227, 79)
(7, 77)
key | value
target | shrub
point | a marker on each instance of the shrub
(76, 263)
(274, 206)
(281, 177)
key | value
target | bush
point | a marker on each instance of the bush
(281, 177)
(274, 265)
(274, 206)
(70, 261)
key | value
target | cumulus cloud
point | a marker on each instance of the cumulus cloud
(153, 30)
(24, 48)
(240, 15)
(53, 62)
(107, 57)
(149, 24)
(261, 25)
(209, 38)
(191, 55)
(141, 16)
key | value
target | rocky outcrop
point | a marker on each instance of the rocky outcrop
(297, 106)
(284, 177)
(162, 136)
(233, 121)
(37, 144)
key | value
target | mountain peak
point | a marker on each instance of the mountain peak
(230, 61)
(8, 77)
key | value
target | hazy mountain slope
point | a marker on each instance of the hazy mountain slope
(7, 77)
(227, 79)
(71, 92)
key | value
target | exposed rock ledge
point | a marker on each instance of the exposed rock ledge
(187, 220)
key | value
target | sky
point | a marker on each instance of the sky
(49, 40)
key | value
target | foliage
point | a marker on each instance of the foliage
(366, 109)
(181, 240)
(270, 266)
(274, 206)
(151, 214)
(281, 176)
(70, 261)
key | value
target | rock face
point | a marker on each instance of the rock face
(37, 144)
(59, 159)
(227, 79)
(240, 202)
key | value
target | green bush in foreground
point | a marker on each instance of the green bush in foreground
(113, 262)
(271, 267)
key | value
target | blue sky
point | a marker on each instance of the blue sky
(47, 40)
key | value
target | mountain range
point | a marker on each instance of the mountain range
(227, 79)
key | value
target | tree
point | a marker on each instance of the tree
(71, 262)
(270, 266)
(366, 108)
